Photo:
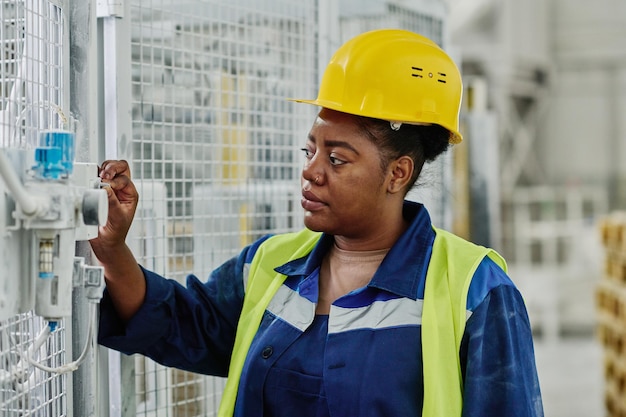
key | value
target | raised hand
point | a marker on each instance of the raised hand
(123, 199)
(125, 281)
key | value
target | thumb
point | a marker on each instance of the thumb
(114, 201)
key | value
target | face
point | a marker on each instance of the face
(344, 186)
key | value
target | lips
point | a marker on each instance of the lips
(311, 202)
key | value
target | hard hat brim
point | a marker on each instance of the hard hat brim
(455, 137)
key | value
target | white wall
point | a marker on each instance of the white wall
(577, 140)
(585, 131)
(582, 47)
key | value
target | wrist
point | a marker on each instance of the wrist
(112, 254)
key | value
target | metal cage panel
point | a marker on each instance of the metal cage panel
(33, 93)
(213, 132)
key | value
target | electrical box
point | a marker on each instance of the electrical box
(48, 204)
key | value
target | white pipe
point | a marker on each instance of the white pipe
(29, 205)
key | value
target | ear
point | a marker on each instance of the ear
(400, 172)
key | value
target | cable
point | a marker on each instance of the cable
(21, 372)
(72, 366)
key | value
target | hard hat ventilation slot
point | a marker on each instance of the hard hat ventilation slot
(441, 80)
(418, 75)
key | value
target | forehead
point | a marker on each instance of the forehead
(333, 128)
(335, 117)
(333, 125)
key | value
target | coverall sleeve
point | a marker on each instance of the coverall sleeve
(188, 327)
(497, 353)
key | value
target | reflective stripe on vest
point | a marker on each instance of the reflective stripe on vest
(443, 317)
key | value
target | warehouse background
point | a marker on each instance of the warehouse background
(192, 93)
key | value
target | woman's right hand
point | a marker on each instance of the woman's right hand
(123, 199)
(125, 281)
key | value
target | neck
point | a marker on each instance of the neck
(383, 237)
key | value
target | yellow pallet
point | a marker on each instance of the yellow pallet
(613, 231)
(615, 385)
(610, 297)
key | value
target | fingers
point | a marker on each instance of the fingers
(111, 169)
(119, 182)
(122, 199)
(110, 193)
(116, 174)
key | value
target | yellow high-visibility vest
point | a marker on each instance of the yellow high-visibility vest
(450, 271)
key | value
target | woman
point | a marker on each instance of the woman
(369, 311)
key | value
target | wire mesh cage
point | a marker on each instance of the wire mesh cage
(214, 147)
(32, 91)
(25, 390)
(32, 80)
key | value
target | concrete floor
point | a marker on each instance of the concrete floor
(571, 376)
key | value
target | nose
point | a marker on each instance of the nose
(312, 171)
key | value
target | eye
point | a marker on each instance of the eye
(307, 153)
(336, 161)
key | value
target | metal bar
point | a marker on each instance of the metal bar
(115, 131)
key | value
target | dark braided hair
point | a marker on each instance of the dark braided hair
(421, 143)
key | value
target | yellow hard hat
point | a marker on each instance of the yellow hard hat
(394, 75)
